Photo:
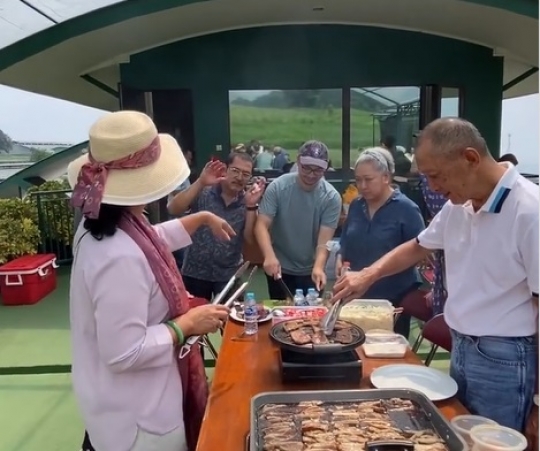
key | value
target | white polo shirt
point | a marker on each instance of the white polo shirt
(491, 259)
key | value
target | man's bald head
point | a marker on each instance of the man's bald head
(449, 136)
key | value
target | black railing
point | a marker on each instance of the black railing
(56, 223)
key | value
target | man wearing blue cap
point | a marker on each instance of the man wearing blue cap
(298, 215)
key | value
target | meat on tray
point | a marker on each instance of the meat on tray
(344, 426)
(308, 331)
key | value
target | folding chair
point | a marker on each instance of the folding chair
(438, 333)
(414, 304)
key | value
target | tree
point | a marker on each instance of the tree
(5, 142)
(38, 154)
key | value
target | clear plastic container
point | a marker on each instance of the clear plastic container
(369, 314)
(463, 424)
(381, 344)
(497, 438)
(286, 313)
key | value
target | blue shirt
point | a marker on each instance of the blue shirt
(364, 240)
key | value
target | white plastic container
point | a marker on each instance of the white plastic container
(463, 424)
(369, 314)
(497, 438)
(381, 344)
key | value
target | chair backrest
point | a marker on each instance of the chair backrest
(437, 331)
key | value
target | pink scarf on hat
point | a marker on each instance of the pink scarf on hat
(88, 192)
(191, 367)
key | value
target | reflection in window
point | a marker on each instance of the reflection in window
(272, 125)
(387, 115)
(450, 106)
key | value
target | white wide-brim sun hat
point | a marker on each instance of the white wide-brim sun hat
(120, 134)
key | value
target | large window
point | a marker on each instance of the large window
(268, 121)
(450, 102)
(383, 114)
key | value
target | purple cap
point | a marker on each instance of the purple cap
(314, 153)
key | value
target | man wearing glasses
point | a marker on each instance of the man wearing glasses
(299, 214)
(223, 190)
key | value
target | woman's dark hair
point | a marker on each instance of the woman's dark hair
(107, 222)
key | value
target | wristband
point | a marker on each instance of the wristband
(177, 331)
(254, 208)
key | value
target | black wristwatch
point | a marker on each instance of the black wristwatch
(253, 208)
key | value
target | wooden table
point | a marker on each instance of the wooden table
(249, 366)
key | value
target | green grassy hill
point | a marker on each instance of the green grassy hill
(290, 127)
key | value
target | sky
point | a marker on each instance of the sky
(33, 117)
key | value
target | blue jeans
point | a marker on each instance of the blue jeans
(496, 376)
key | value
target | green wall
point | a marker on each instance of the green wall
(316, 57)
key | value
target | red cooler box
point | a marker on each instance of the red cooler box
(27, 280)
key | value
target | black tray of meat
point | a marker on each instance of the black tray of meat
(349, 420)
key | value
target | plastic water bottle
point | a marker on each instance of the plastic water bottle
(311, 297)
(299, 299)
(251, 325)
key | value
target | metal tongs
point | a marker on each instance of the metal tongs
(186, 348)
(328, 322)
(236, 276)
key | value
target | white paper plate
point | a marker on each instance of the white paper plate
(435, 384)
(234, 316)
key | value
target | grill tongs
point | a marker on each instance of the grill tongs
(186, 348)
(328, 322)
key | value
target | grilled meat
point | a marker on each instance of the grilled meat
(289, 326)
(309, 331)
(300, 337)
(318, 426)
(344, 336)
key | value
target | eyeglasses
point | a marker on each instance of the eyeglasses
(239, 173)
(308, 170)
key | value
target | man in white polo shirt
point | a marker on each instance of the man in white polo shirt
(489, 233)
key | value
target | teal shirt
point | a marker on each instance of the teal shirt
(297, 216)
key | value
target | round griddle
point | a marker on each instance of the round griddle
(283, 339)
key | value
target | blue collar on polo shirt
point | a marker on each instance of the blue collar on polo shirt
(499, 195)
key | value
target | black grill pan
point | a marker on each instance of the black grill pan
(282, 339)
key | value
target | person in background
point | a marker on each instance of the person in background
(264, 160)
(434, 202)
(378, 221)
(402, 163)
(288, 167)
(220, 189)
(281, 158)
(489, 233)
(188, 154)
(298, 215)
(509, 157)
(437, 296)
(129, 310)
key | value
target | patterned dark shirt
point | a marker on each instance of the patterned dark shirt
(209, 258)
(435, 202)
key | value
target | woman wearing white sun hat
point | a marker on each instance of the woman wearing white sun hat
(128, 305)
